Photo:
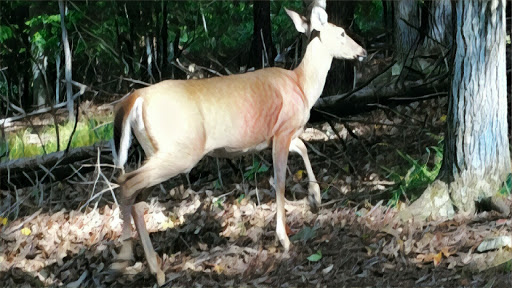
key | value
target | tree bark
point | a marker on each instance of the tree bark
(477, 157)
(440, 24)
(39, 65)
(262, 49)
(67, 62)
(406, 14)
(476, 153)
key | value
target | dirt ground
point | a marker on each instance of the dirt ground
(223, 236)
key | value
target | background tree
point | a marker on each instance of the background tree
(341, 75)
(440, 24)
(67, 61)
(263, 51)
(406, 25)
(476, 159)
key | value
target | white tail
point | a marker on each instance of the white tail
(178, 122)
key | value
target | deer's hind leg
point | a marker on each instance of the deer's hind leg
(157, 169)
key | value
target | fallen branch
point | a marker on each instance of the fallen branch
(15, 172)
(381, 91)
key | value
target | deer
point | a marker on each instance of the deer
(178, 122)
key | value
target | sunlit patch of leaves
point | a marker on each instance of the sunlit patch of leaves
(418, 176)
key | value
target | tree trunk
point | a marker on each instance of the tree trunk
(341, 76)
(67, 62)
(165, 37)
(476, 153)
(39, 65)
(477, 157)
(149, 58)
(440, 25)
(262, 49)
(406, 14)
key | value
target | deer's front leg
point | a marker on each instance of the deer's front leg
(280, 146)
(314, 197)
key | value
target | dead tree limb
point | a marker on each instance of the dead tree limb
(55, 165)
(381, 91)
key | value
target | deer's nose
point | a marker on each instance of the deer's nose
(362, 55)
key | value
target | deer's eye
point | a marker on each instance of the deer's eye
(342, 33)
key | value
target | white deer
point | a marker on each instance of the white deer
(178, 122)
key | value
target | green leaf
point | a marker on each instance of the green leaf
(304, 234)
(240, 198)
(256, 167)
(507, 185)
(315, 257)
(5, 33)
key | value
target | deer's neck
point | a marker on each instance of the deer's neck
(313, 69)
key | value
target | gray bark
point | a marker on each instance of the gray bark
(39, 65)
(149, 58)
(67, 62)
(38, 69)
(440, 28)
(477, 157)
(406, 15)
(57, 81)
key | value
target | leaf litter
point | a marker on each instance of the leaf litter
(219, 236)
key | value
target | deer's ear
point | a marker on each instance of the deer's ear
(301, 24)
(318, 18)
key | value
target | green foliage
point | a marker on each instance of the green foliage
(240, 198)
(219, 202)
(256, 167)
(368, 16)
(507, 185)
(418, 175)
(28, 144)
(47, 35)
(5, 33)
(507, 266)
(3, 148)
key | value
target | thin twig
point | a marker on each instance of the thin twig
(77, 112)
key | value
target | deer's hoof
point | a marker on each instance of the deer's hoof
(314, 197)
(285, 242)
(160, 278)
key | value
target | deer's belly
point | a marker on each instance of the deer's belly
(230, 152)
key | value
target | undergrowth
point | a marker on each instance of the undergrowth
(28, 143)
(418, 176)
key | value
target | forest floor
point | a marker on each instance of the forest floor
(213, 235)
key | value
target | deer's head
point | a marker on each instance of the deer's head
(333, 38)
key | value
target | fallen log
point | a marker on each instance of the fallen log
(54, 166)
(381, 90)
